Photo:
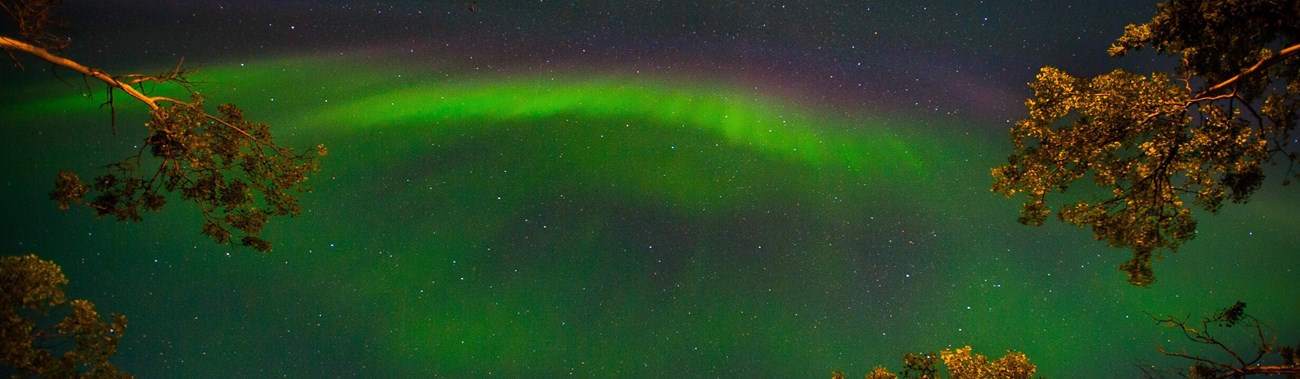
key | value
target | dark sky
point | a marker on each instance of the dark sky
(648, 189)
(917, 56)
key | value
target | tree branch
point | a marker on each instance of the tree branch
(1226, 368)
(1262, 64)
(1206, 361)
(1264, 370)
(127, 86)
(7, 44)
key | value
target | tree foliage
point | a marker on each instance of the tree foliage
(961, 363)
(880, 372)
(1146, 149)
(78, 346)
(228, 166)
(920, 366)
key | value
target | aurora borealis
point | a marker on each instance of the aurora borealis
(653, 189)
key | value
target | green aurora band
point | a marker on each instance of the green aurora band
(610, 224)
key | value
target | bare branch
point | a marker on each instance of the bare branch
(13, 44)
(35, 21)
(1226, 318)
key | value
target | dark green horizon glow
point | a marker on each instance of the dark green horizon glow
(609, 225)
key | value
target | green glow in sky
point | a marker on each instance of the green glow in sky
(738, 118)
(609, 225)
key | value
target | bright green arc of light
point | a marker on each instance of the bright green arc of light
(744, 118)
(440, 217)
(374, 123)
(741, 118)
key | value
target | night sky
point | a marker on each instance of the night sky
(629, 189)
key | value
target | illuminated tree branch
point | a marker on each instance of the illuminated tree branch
(1281, 55)
(152, 101)
(230, 167)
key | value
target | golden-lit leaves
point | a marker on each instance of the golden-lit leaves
(879, 372)
(1014, 365)
(1132, 138)
(1143, 147)
(79, 345)
(961, 363)
(29, 282)
(1133, 38)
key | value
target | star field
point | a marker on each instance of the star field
(650, 189)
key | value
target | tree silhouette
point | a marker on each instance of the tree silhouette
(228, 166)
(1239, 363)
(1136, 151)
